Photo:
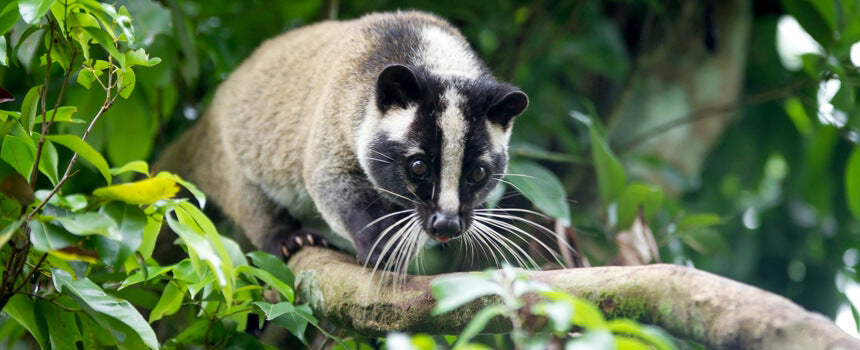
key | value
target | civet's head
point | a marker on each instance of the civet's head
(438, 145)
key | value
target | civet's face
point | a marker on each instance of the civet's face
(438, 145)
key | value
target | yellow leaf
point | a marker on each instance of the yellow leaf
(140, 192)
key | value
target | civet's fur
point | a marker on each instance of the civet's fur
(330, 118)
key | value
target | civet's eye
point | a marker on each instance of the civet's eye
(478, 174)
(419, 168)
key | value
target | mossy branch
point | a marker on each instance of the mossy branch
(689, 303)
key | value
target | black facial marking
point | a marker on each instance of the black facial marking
(397, 85)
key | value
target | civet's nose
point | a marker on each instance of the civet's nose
(444, 226)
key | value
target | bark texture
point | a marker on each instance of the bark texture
(689, 303)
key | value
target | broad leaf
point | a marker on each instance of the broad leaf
(30, 107)
(541, 187)
(17, 152)
(636, 195)
(137, 166)
(273, 265)
(22, 309)
(452, 291)
(83, 149)
(272, 281)
(33, 10)
(169, 303)
(141, 192)
(132, 330)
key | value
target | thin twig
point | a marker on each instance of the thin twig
(34, 173)
(30, 275)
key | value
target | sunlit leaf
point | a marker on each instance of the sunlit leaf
(63, 115)
(84, 150)
(591, 339)
(452, 291)
(559, 313)
(137, 166)
(126, 80)
(198, 194)
(88, 224)
(8, 17)
(132, 330)
(650, 335)
(33, 10)
(10, 229)
(141, 192)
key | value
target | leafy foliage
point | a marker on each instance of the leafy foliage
(772, 200)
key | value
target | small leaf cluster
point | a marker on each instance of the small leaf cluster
(78, 268)
(556, 320)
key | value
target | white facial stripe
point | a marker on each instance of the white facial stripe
(499, 137)
(453, 126)
(396, 122)
(446, 55)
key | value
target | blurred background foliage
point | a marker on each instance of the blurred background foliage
(734, 130)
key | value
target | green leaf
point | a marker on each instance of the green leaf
(22, 310)
(83, 149)
(104, 39)
(123, 20)
(191, 216)
(697, 221)
(452, 291)
(650, 335)
(30, 107)
(541, 187)
(271, 280)
(169, 303)
(140, 276)
(273, 265)
(146, 191)
(48, 160)
(795, 110)
(273, 311)
(127, 232)
(88, 224)
(9, 230)
(62, 325)
(64, 115)
(131, 331)
(650, 198)
(479, 322)
(139, 57)
(46, 237)
(33, 10)
(852, 182)
(137, 166)
(295, 323)
(201, 250)
(611, 177)
(8, 17)
(17, 152)
(126, 80)
(198, 194)
(4, 58)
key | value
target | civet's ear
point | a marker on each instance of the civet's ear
(511, 104)
(396, 85)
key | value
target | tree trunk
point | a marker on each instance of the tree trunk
(689, 303)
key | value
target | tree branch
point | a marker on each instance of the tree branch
(689, 303)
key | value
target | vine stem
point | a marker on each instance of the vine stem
(34, 173)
